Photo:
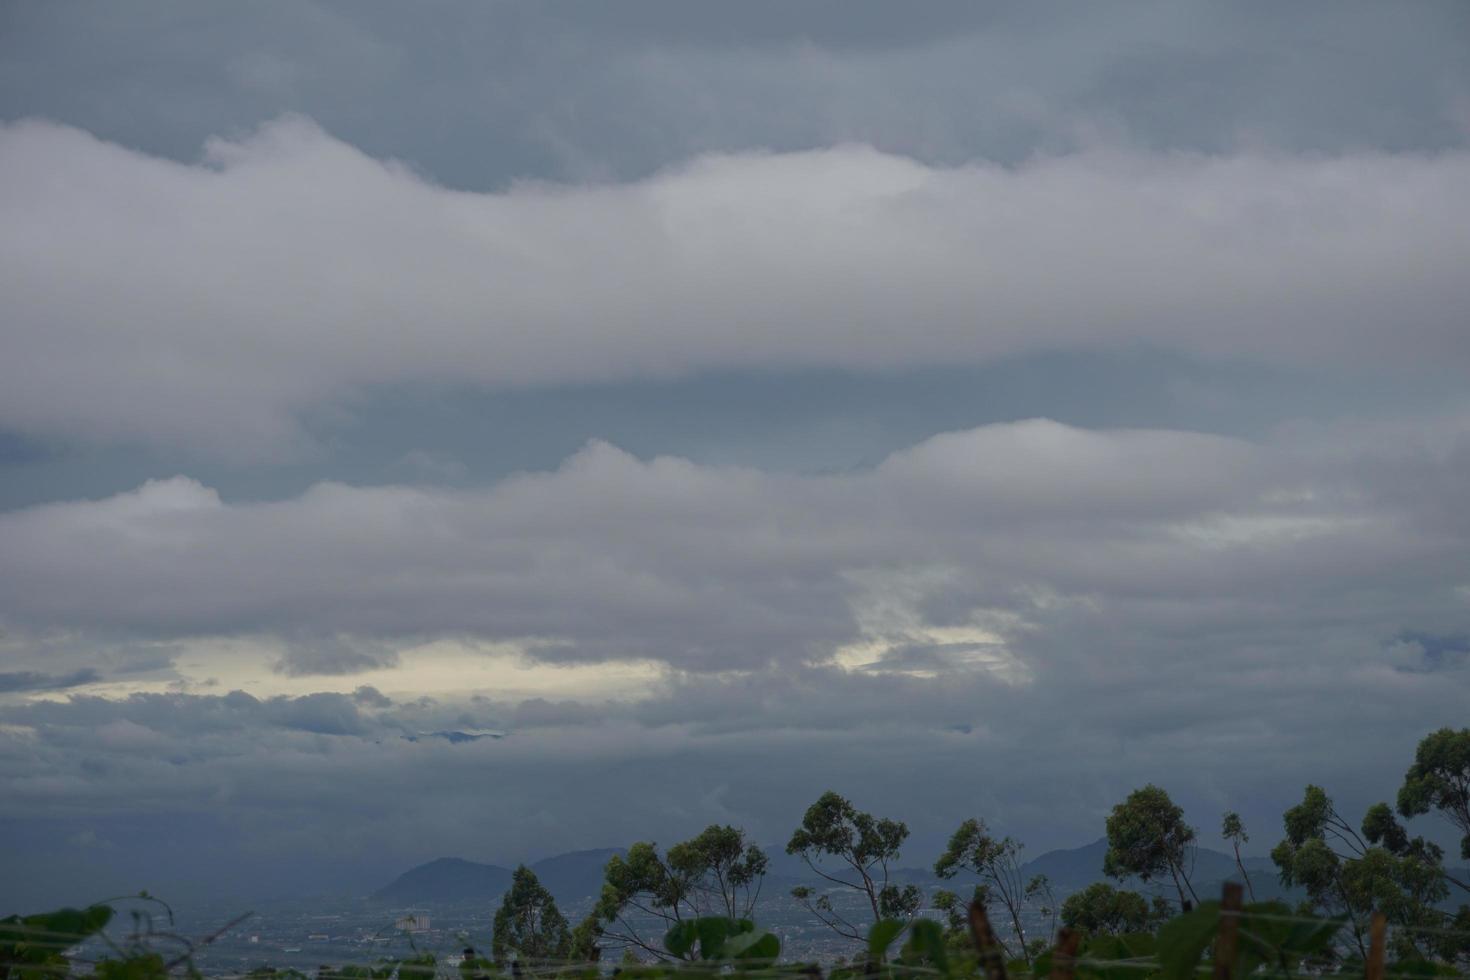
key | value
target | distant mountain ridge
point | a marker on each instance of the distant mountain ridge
(569, 877)
(1072, 869)
(578, 875)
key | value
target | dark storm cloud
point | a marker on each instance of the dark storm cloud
(371, 696)
(1430, 652)
(301, 782)
(30, 680)
(332, 655)
(479, 93)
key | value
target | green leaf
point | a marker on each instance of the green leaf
(1184, 939)
(681, 939)
(927, 940)
(1136, 944)
(713, 931)
(760, 945)
(882, 935)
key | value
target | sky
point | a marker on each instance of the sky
(977, 409)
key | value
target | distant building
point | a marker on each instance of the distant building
(414, 922)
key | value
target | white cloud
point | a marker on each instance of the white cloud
(1013, 546)
(213, 306)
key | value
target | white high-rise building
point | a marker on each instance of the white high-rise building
(414, 922)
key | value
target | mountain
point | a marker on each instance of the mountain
(453, 738)
(569, 877)
(575, 876)
(1069, 869)
(1072, 869)
(445, 880)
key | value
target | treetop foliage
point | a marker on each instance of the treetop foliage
(528, 924)
(833, 826)
(1147, 837)
(1439, 780)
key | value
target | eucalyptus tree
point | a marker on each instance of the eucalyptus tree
(1354, 872)
(725, 870)
(1439, 780)
(1232, 829)
(860, 848)
(1148, 838)
(1101, 909)
(528, 924)
(996, 862)
(717, 872)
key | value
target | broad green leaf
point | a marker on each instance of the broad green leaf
(1184, 939)
(712, 932)
(881, 936)
(759, 945)
(681, 938)
(926, 939)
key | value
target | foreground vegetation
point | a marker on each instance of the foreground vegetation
(1376, 905)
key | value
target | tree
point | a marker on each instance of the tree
(584, 947)
(1101, 909)
(716, 872)
(724, 870)
(1147, 837)
(956, 915)
(1038, 891)
(642, 883)
(1233, 830)
(1439, 780)
(1351, 874)
(832, 827)
(996, 862)
(529, 925)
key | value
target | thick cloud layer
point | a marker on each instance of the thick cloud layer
(1037, 538)
(999, 530)
(211, 306)
(481, 93)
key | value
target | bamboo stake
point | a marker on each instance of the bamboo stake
(1064, 957)
(1226, 941)
(1377, 935)
(992, 960)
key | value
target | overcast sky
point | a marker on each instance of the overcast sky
(977, 409)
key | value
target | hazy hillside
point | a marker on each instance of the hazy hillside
(445, 880)
(569, 877)
(1077, 867)
(578, 875)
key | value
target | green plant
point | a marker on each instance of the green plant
(1147, 837)
(33, 947)
(832, 827)
(528, 924)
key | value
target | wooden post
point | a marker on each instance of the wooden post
(992, 960)
(1064, 957)
(1227, 940)
(1377, 939)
